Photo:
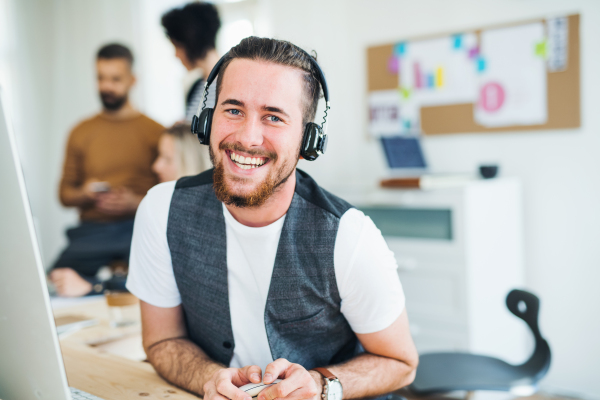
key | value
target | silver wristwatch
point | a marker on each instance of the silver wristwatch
(332, 389)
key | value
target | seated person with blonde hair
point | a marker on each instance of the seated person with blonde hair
(180, 154)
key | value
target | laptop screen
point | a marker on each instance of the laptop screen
(403, 152)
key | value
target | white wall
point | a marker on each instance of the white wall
(559, 169)
(54, 76)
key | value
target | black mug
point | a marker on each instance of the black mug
(488, 171)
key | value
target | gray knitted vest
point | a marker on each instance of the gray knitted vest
(302, 315)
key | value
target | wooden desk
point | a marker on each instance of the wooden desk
(93, 367)
(113, 377)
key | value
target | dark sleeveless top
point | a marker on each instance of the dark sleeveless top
(302, 315)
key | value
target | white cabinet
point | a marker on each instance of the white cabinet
(459, 252)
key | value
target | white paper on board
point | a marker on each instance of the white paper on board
(384, 113)
(436, 72)
(512, 83)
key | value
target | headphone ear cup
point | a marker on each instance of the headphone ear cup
(204, 126)
(310, 140)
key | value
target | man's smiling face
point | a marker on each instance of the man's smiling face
(256, 130)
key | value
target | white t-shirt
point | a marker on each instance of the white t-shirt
(365, 271)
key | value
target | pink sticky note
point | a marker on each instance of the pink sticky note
(418, 76)
(474, 52)
(491, 97)
(392, 65)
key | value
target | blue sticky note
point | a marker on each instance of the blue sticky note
(480, 64)
(430, 80)
(457, 42)
(400, 49)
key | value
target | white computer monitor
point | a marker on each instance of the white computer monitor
(31, 365)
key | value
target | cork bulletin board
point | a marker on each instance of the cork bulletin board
(561, 86)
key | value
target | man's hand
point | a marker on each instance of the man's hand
(87, 190)
(225, 382)
(120, 201)
(69, 283)
(297, 383)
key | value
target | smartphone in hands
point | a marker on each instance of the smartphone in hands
(100, 187)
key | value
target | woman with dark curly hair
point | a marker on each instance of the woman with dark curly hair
(193, 31)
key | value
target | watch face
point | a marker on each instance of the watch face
(334, 392)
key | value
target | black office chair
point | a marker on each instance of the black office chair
(446, 372)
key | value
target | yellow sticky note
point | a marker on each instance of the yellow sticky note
(439, 77)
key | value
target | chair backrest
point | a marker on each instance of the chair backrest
(526, 306)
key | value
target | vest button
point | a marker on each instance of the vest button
(227, 344)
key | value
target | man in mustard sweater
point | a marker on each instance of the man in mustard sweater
(107, 171)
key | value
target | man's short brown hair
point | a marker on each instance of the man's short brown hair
(115, 50)
(283, 53)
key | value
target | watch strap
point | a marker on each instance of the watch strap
(325, 372)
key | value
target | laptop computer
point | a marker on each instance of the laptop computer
(404, 156)
(31, 365)
(408, 168)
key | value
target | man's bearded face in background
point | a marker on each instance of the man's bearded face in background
(112, 101)
(115, 80)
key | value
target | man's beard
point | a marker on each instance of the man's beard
(111, 101)
(263, 192)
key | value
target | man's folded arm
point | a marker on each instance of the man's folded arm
(389, 363)
(374, 305)
(173, 356)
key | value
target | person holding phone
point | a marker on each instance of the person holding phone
(107, 171)
(250, 271)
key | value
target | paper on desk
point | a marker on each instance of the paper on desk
(68, 324)
(436, 72)
(57, 302)
(512, 77)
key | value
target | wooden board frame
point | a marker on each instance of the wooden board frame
(564, 100)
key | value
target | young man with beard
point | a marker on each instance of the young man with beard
(107, 171)
(251, 271)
